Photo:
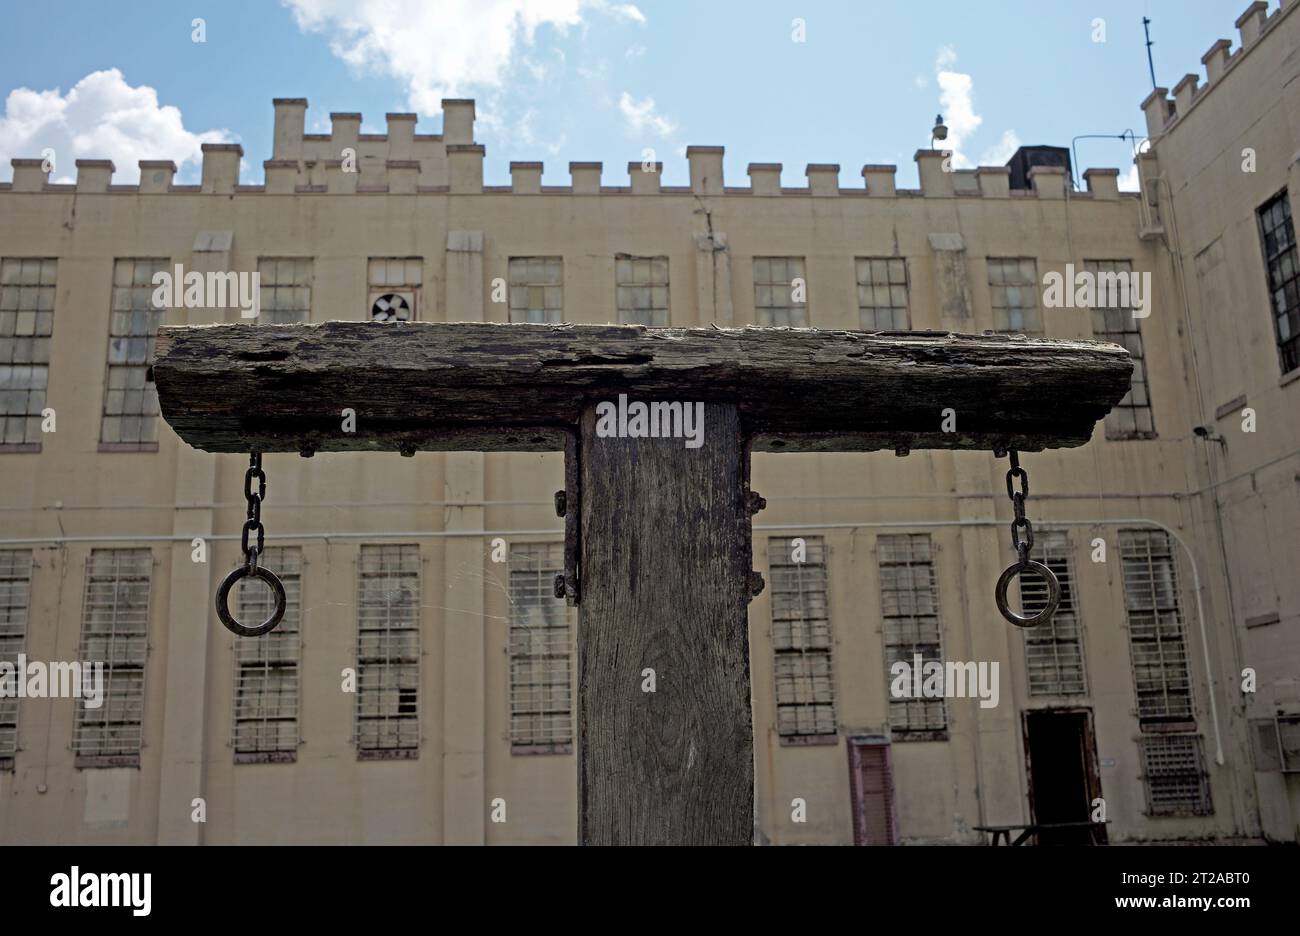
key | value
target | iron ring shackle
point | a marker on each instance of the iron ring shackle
(1053, 593)
(223, 601)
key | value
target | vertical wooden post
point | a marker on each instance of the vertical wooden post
(666, 557)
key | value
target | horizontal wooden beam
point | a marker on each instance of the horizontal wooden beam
(517, 387)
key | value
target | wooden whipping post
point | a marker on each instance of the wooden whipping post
(658, 532)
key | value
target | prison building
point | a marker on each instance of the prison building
(421, 687)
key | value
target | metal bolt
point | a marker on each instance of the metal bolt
(559, 585)
(755, 502)
(756, 584)
(902, 451)
(407, 449)
(561, 503)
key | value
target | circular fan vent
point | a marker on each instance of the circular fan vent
(390, 308)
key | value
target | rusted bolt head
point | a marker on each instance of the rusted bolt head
(561, 503)
(559, 585)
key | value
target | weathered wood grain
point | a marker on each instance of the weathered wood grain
(486, 387)
(665, 568)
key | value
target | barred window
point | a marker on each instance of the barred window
(882, 294)
(1174, 775)
(909, 603)
(395, 288)
(1013, 288)
(388, 653)
(286, 289)
(1131, 417)
(778, 283)
(801, 639)
(537, 289)
(642, 287)
(1053, 649)
(1277, 230)
(15, 599)
(115, 632)
(266, 668)
(541, 642)
(131, 401)
(26, 324)
(1157, 638)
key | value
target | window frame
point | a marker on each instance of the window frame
(123, 756)
(1033, 288)
(1289, 348)
(39, 341)
(279, 651)
(16, 566)
(889, 286)
(552, 314)
(627, 316)
(400, 663)
(763, 266)
(807, 644)
(545, 560)
(907, 732)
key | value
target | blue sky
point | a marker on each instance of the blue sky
(561, 80)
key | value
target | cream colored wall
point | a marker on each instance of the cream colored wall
(944, 788)
(1208, 208)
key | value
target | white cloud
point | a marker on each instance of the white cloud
(625, 11)
(957, 102)
(101, 117)
(1129, 181)
(526, 134)
(440, 49)
(641, 116)
(1002, 150)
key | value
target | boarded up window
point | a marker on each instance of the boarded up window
(1174, 775)
(1157, 638)
(541, 643)
(286, 289)
(26, 327)
(388, 653)
(1276, 743)
(115, 632)
(882, 293)
(909, 604)
(1131, 417)
(266, 667)
(780, 291)
(801, 639)
(537, 289)
(1053, 649)
(642, 287)
(131, 401)
(1013, 290)
(15, 599)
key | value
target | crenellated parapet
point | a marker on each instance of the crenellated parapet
(403, 162)
(1254, 24)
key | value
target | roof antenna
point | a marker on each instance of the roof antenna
(1151, 62)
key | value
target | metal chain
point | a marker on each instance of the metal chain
(1021, 522)
(252, 551)
(254, 521)
(1022, 540)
